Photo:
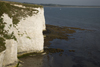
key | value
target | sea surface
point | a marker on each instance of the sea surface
(82, 49)
(73, 17)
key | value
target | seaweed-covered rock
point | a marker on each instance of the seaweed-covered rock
(53, 50)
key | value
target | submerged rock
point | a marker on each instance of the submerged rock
(53, 50)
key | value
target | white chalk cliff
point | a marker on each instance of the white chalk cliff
(28, 35)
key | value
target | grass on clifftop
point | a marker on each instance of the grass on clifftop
(24, 4)
(15, 12)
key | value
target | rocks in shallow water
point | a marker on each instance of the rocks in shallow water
(71, 50)
(56, 32)
(60, 54)
(53, 50)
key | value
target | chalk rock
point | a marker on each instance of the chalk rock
(10, 57)
(24, 27)
(2, 54)
(28, 32)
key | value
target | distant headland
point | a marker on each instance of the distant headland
(58, 5)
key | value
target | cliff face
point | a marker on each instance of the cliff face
(10, 56)
(28, 32)
(2, 58)
(22, 31)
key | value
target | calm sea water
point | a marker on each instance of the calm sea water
(85, 43)
(73, 17)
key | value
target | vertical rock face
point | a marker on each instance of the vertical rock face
(10, 57)
(28, 32)
(23, 31)
(2, 54)
(29, 35)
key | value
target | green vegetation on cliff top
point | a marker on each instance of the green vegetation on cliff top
(15, 12)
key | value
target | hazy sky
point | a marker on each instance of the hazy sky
(64, 2)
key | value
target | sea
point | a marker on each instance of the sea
(86, 44)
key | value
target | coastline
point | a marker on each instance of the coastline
(70, 7)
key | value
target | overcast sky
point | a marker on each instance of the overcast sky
(64, 2)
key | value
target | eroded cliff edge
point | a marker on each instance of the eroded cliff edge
(21, 27)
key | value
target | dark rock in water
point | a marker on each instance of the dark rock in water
(53, 50)
(60, 54)
(47, 31)
(71, 50)
(56, 32)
